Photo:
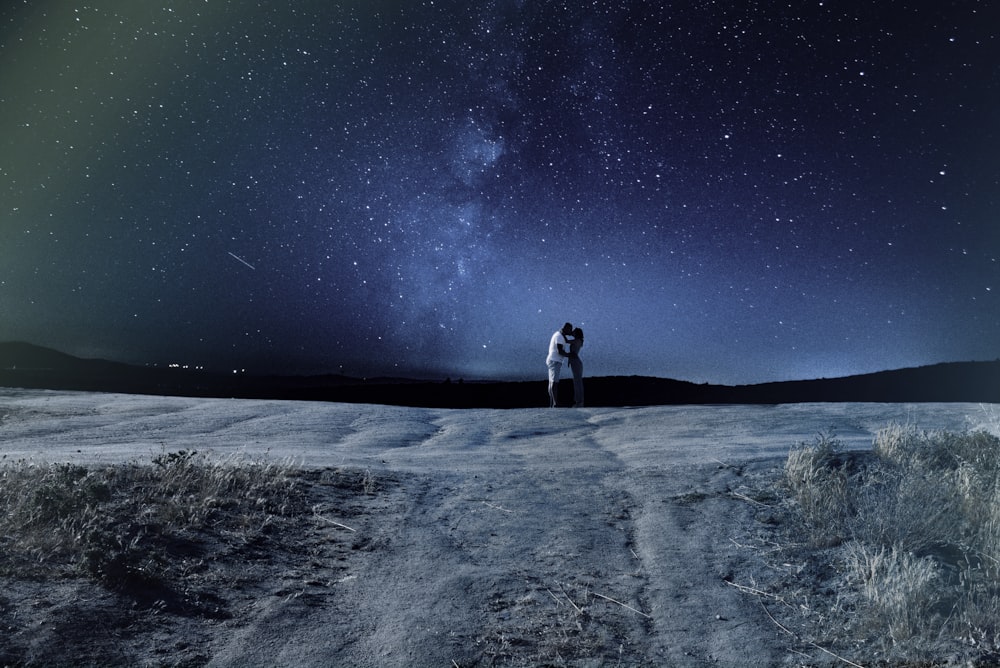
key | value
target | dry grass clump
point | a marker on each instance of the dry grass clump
(819, 481)
(917, 523)
(134, 527)
(905, 589)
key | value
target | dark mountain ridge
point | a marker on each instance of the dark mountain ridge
(28, 366)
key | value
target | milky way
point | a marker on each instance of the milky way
(734, 194)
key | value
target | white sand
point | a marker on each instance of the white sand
(86, 427)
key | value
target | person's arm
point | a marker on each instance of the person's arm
(563, 347)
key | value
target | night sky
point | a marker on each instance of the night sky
(714, 191)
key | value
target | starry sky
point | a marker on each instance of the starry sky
(714, 191)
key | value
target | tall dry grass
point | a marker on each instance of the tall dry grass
(918, 520)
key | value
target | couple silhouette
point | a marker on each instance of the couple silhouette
(564, 347)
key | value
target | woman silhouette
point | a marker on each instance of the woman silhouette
(576, 364)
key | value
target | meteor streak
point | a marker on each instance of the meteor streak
(238, 258)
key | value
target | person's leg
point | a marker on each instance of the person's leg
(577, 366)
(554, 369)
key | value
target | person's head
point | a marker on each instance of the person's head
(567, 329)
(578, 333)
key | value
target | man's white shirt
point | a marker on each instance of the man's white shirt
(554, 342)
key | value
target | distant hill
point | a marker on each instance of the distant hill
(22, 356)
(28, 366)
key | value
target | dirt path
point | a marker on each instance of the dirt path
(527, 563)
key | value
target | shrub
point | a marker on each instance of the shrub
(819, 486)
(922, 525)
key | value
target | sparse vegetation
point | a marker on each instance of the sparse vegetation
(913, 528)
(135, 528)
(96, 561)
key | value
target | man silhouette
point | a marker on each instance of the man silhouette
(558, 351)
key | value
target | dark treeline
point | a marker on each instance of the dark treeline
(23, 365)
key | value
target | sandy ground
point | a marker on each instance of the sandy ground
(492, 537)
